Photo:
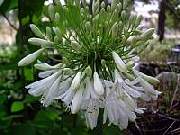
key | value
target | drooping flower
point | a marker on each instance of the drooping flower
(119, 62)
(98, 87)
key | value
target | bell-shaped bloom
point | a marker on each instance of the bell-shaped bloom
(76, 101)
(98, 87)
(30, 58)
(119, 62)
(91, 104)
(41, 87)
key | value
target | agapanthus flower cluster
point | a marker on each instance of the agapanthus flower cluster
(96, 70)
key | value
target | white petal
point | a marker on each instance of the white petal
(40, 87)
(76, 81)
(52, 92)
(67, 97)
(76, 102)
(46, 73)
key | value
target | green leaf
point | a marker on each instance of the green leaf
(17, 106)
(28, 73)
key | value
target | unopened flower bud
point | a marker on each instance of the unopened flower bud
(103, 5)
(36, 31)
(98, 87)
(148, 34)
(49, 33)
(39, 41)
(51, 11)
(149, 79)
(119, 62)
(114, 4)
(88, 71)
(57, 17)
(123, 15)
(95, 7)
(125, 3)
(138, 21)
(75, 45)
(114, 30)
(88, 25)
(30, 58)
(132, 40)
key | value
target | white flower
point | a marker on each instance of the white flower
(150, 92)
(76, 81)
(38, 88)
(119, 62)
(50, 95)
(98, 87)
(46, 73)
(92, 113)
(91, 104)
(67, 96)
(76, 101)
(30, 58)
(132, 91)
(116, 111)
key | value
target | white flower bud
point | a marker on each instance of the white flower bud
(95, 7)
(49, 33)
(119, 62)
(114, 4)
(114, 30)
(76, 81)
(39, 41)
(132, 39)
(148, 34)
(98, 87)
(51, 11)
(30, 58)
(137, 21)
(46, 66)
(75, 45)
(150, 79)
(57, 17)
(87, 72)
(36, 31)
(103, 5)
(124, 15)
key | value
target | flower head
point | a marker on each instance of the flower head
(95, 70)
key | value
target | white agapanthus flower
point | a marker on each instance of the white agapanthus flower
(96, 71)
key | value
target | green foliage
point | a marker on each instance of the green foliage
(17, 106)
(8, 5)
